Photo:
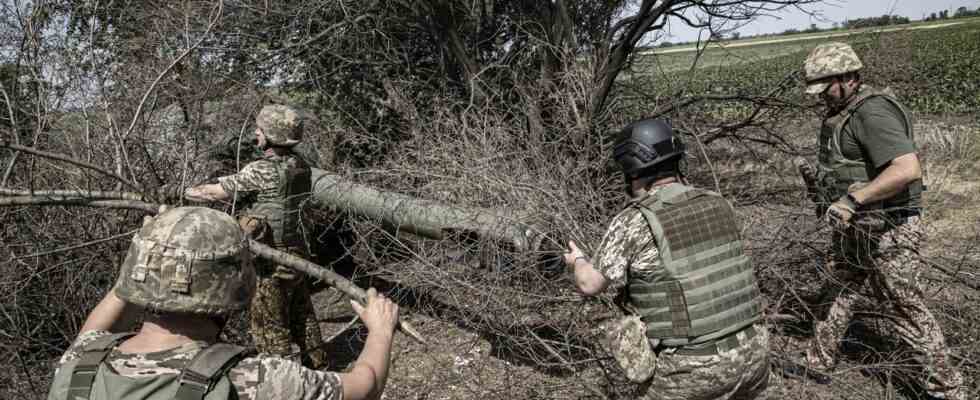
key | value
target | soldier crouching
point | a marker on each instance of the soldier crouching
(677, 251)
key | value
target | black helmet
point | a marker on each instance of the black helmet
(646, 144)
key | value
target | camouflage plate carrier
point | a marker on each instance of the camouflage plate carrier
(836, 172)
(706, 288)
(89, 378)
(280, 209)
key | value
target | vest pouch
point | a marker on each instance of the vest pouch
(627, 341)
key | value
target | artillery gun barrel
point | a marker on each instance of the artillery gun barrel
(426, 218)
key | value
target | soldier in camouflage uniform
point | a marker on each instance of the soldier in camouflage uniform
(869, 186)
(190, 269)
(677, 252)
(282, 313)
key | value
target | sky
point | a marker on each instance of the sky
(835, 11)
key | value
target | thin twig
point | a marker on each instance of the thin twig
(77, 246)
(146, 95)
(67, 159)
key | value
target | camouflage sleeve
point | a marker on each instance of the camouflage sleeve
(612, 259)
(627, 244)
(80, 342)
(256, 176)
(276, 378)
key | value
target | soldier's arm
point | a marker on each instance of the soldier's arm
(610, 265)
(899, 173)
(885, 143)
(112, 314)
(369, 374)
(588, 279)
(256, 176)
(208, 192)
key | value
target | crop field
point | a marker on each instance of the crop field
(933, 70)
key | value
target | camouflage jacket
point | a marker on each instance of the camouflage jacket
(628, 244)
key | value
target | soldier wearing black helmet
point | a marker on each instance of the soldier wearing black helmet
(694, 330)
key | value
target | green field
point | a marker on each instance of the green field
(935, 69)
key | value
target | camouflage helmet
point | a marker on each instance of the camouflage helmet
(282, 125)
(826, 60)
(188, 260)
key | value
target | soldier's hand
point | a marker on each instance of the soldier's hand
(841, 212)
(378, 313)
(572, 255)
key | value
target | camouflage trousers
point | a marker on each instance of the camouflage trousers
(282, 314)
(885, 266)
(738, 373)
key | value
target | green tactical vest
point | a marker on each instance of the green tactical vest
(837, 172)
(706, 288)
(88, 378)
(281, 208)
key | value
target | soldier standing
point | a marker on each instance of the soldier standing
(282, 312)
(190, 269)
(870, 175)
(677, 252)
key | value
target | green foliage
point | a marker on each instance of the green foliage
(932, 71)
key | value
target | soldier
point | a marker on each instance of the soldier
(190, 270)
(282, 313)
(677, 252)
(867, 136)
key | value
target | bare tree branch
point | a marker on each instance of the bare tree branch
(61, 157)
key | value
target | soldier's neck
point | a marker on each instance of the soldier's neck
(167, 332)
(642, 191)
(276, 151)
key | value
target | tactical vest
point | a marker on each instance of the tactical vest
(837, 172)
(706, 287)
(89, 378)
(281, 208)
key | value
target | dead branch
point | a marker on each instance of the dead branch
(89, 194)
(11, 201)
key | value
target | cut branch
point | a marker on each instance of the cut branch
(149, 208)
(89, 194)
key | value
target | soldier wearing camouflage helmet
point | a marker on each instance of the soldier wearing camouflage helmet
(695, 330)
(187, 271)
(282, 313)
(868, 186)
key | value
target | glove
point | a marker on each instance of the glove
(841, 211)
